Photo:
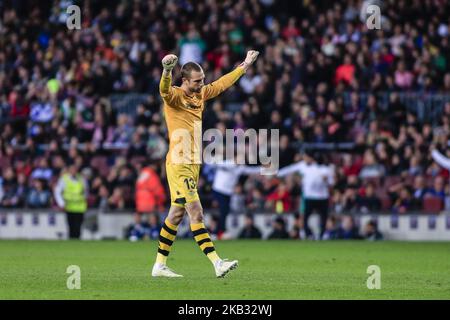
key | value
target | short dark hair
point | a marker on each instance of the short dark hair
(188, 67)
(249, 216)
(372, 223)
(280, 220)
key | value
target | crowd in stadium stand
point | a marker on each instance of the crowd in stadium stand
(337, 228)
(317, 80)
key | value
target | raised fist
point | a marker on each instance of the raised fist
(169, 62)
(251, 57)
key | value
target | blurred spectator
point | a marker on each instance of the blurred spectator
(142, 117)
(370, 168)
(371, 231)
(345, 72)
(122, 134)
(279, 200)
(369, 202)
(350, 200)
(350, 167)
(440, 158)
(438, 189)
(287, 153)
(348, 230)
(38, 195)
(42, 171)
(213, 227)
(249, 231)
(250, 81)
(331, 229)
(279, 229)
(419, 190)
(9, 189)
(403, 78)
(191, 46)
(137, 146)
(102, 200)
(404, 202)
(154, 226)
(256, 202)
(150, 194)
(42, 110)
(22, 190)
(156, 144)
(21, 166)
(298, 227)
(116, 201)
(137, 231)
(1, 190)
(237, 200)
(337, 202)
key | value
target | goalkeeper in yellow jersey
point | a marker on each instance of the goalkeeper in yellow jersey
(183, 107)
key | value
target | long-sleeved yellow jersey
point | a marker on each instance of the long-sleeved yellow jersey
(183, 116)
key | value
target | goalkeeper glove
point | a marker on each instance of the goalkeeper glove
(251, 57)
(169, 61)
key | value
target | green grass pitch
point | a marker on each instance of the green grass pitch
(267, 270)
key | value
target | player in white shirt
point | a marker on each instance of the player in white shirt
(440, 159)
(226, 177)
(317, 179)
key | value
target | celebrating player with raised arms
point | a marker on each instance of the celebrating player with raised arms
(183, 107)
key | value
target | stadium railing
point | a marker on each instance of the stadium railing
(427, 106)
(51, 224)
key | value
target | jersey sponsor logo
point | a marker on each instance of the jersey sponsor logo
(192, 106)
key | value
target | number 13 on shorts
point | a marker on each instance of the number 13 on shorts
(182, 179)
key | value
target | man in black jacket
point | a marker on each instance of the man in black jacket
(250, 231)
(279, 229)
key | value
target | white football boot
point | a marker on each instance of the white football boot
(161, 270)
(222, 267)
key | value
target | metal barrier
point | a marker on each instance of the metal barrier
(427, 106)
(48, 224)
(127, 103)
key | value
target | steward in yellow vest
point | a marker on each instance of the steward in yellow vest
(71, 195)
(74, 194)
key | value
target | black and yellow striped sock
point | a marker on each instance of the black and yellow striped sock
(203, 240)
(166, 238)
